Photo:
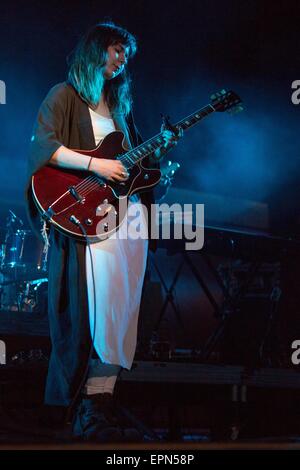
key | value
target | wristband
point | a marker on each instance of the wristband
(88, 168)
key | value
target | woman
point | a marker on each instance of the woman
(77, 114)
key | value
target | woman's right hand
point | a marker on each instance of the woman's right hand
(112, 170)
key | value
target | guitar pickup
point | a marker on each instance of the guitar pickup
(75, 194)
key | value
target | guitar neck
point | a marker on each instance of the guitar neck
(134, 156)
(194, 118)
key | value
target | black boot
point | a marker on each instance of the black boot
(92, 423)
(109, 409)
(97, 420)
(114, 415)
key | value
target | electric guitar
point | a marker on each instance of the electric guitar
(81, 205)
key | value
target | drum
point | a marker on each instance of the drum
(23, 253)
(10, 294)
(33, 296)
(13, 250)
(23, 296)
(33, 255)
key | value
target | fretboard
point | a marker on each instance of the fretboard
(130, 158)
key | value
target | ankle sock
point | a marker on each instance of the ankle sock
(96, 385)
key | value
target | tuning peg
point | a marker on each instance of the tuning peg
(235, 110)
(213, 97)
(223, 92)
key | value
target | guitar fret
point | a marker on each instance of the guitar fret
(157, 142)
(194, 118)
(130, 160)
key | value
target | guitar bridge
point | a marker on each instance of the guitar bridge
(76, 195)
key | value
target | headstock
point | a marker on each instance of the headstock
(226, 101)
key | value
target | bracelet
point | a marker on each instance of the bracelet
(88, 168)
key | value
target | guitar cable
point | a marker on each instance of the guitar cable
(69, 418)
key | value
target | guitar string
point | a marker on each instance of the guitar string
(197, 116)
(93, 179)
(137, 154)
(85, 182)
(91, 183)
(82, 189)
(89, 186)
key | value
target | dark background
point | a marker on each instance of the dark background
(188, 49)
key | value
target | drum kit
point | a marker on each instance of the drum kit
(23, 269)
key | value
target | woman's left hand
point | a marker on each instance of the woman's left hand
(171, 139)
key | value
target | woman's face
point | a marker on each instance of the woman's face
(117, 56)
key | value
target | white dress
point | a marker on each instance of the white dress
(119, 268)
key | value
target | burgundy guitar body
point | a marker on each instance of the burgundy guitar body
(66, 197)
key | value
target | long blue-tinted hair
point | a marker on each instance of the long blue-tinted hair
(87, 65)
